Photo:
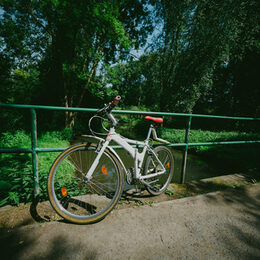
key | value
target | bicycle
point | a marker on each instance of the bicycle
(86, 181)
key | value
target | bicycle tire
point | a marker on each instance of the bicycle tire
(79, 200)
(160, 182)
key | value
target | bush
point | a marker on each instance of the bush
(200, 136)
(16, 178)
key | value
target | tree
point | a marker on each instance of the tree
(194, 63)
(69, 40)
(235, 81)
(198, 38)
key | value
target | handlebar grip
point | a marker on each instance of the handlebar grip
(110, 106)
(113, 104)
(116, 100)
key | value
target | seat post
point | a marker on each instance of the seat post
(149, 134)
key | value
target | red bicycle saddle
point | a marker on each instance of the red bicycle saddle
(155, 119)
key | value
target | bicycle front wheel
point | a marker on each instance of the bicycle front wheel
(158, 184)
(74, 197)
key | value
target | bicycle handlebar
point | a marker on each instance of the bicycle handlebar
(110, 106)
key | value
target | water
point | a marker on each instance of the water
(196, 169)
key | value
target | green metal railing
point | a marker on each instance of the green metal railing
(34, 150)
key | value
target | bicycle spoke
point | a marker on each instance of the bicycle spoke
(80, 159)
(166, 159)
(95, 191)
(99, 187)
(74, 165)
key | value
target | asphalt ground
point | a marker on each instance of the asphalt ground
(220, 225)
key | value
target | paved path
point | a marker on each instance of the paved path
(222, 225)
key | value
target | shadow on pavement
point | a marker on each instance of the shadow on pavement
(243, 229)
(16, 244)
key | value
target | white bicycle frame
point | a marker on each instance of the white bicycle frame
(135, 154)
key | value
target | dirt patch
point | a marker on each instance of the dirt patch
(26, 214)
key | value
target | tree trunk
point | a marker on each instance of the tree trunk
(70, 116)
(70, 119)
(91, 74)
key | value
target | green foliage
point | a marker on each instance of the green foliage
(19, 140)
(169, 191)
(198, 60)
(200, 56)
(133, 126)
(16, 178)
(15, 168)
(67, 42)
(201, 136)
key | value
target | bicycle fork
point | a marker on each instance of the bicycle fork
(90, 172)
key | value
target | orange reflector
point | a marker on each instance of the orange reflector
(104, 170)
(168, 165)
(64, 192)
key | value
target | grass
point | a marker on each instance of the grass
(169, 192)
(198, 136)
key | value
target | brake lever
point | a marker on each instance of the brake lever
(101, 110)
(111, 105)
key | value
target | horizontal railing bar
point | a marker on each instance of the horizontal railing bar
(16, 150)
(181, 115)
(197, 144)
(29, 150)
(50, 107)
(60, 149)
(124, 112)
(216, 143)
(55, 149)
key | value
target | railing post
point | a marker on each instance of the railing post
(184, 160)
(34, 153)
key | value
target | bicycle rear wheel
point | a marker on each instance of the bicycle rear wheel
(159, 183)
(79, 200)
